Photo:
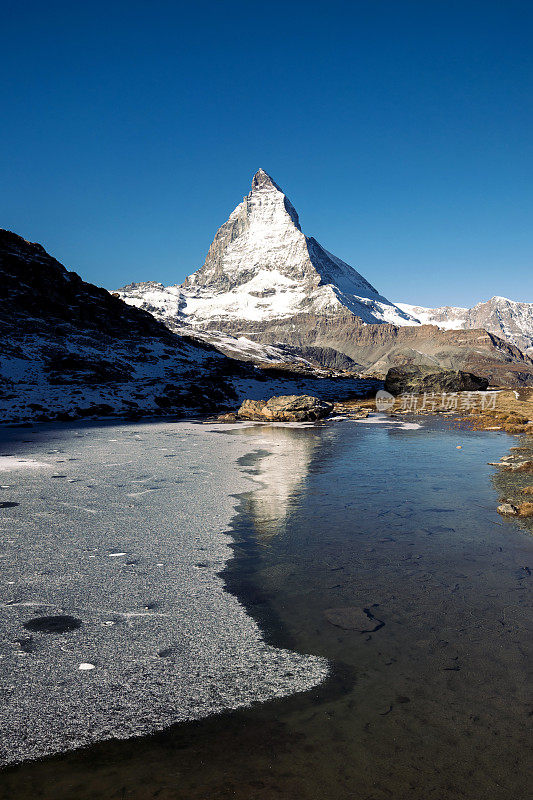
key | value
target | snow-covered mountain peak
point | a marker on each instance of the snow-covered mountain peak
(261, 266)
(265, 280)
(262, 180)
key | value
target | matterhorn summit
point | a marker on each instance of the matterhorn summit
(268, 293)
(262, 269)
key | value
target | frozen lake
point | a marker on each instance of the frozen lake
(371, 549)
(115, 622)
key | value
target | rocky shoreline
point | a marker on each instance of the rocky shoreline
(514, 482)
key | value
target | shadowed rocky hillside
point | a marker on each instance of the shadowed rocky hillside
(70, 350)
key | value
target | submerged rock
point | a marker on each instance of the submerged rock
(286, 408)
(418, 380)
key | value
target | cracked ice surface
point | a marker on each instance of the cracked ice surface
(125, 533)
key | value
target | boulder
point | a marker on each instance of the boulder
(417, 380)
(252, 409)
(287, 408)
(507, 509)
(231, 416)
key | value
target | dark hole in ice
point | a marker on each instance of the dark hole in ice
(166, 652)
(58, 624)
(7, 504)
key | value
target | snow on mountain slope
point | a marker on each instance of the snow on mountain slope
(261, 267)
(71, 349)
(165, 304)
(506, 318)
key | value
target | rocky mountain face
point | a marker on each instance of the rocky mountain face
(264, 284)
(262, 269)
(373, 349)
(261, 266)
(70, 350)
(507, 319)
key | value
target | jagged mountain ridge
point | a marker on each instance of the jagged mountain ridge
(508, 319)
(264, 280)
(261, 266)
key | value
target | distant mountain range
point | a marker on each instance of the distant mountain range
(264, 283)
(508, 319)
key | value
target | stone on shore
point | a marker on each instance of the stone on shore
(417, 380)
(286, 408)
(507, 509)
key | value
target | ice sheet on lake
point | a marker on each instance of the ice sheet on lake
(166, 641)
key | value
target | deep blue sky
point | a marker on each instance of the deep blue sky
(402, 131)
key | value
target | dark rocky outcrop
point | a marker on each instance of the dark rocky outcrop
(287, 408)
(417, 380)
(71, 349)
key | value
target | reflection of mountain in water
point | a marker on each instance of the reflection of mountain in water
(281, 471)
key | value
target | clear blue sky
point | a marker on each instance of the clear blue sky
(402, 131)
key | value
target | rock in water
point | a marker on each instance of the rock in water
(417, 380)
(287, 408)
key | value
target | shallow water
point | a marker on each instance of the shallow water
(379, 548)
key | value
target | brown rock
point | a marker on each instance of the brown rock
(230, 417)
(420, 379)
(522, 466)
(286, 408)
(507, 509)
(252, 409)
(525, 509)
